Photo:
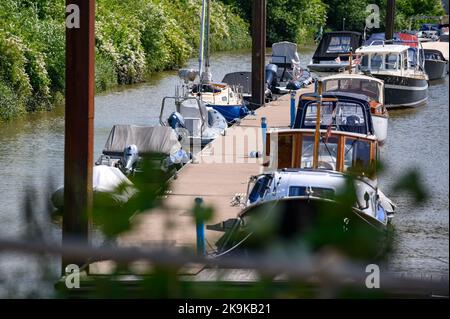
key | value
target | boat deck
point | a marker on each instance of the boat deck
(222, 172)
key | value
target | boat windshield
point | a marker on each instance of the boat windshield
(371, 89)
(346, 116)
(357, 155)
(259, 189)
(327, 153)
(339, 44)
(313, 191)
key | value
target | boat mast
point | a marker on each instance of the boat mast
(317, 132)
(202, 40)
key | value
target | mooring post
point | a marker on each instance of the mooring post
(390, 19)
(293, 94)
(258, 53)
(263, 133)
(79, 121)
(200, 228)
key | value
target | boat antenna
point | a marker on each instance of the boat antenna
(202, 39)
(317, 132)
(207, 76)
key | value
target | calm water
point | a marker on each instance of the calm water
(31, 154)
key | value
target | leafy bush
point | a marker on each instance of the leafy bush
(133, 37)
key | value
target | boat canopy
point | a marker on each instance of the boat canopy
(148, 139)
(399, 38)
(369, 86)
(340, 111)
(431, 54)
(335, 43)
(284, 53)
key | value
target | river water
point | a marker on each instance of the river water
(32, 148)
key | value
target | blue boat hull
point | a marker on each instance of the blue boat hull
(231, 112)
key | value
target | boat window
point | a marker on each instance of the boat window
(327, 152)
(259, 189)
(339, 44)
(376, 62)
(391, 61)
(357, 155)
(347, 116)
(285, 145)
(313, 191)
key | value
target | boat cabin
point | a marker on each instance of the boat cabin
(340, 111)
(334, 44)
(388, 58)
(369, 86)
(338, 151)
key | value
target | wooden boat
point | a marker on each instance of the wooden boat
(318, 186)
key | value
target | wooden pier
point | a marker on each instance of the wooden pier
(222, 171)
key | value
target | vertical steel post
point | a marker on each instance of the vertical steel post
(293, 94)
(79, 120)
(200, 229)
(263, 134)
(390, 19)
(258, 52)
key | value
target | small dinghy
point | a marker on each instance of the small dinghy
(284, 72)
(196, 123)
(128, 144)
(105, 179)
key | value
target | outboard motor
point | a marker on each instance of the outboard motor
(130, 157)
(271, 75)
(176, 120)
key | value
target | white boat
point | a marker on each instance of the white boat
(401, 67)
(369, 86)
(196, 123)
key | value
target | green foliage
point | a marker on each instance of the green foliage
(133, 38)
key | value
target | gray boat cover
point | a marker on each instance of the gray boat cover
(284, 49)
(148, 139)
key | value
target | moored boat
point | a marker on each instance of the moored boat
(327, 57)
(368, 86)
(435, 64)
(318, 184)
(401, 67)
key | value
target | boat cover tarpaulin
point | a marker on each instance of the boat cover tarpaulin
(284, 53)
(148, 139)
(335, 43)
(105, 179)
(440, 46)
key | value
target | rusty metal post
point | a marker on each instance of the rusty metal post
(258, 52)
(390, 19)
(79, 121)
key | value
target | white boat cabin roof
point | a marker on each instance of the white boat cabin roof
(387, 48)
(341, 76)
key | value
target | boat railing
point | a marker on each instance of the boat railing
(178, 99)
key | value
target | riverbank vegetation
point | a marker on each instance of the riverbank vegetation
(133, 39)
(137, 37)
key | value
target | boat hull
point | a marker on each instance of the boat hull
(404, 91)
(380, 126)
(231, 112)
(318, 223)
(435, 69)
